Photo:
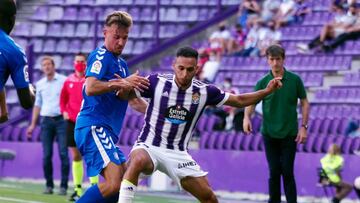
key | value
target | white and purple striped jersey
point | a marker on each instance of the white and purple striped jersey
(172, 113)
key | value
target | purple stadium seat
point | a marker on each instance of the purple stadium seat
(256, 140)
(86, 13)
(23, 135)
(229, 138)
(68, 30)
(308, 146)
(327, 142)
(334, 127)
(124, 136)
(147, 31)
(56, 13)
(171, 14)
(204, 136)
(6, 132)
(210, 144)
(135, 13)
(355, 145)
(347, 145)
(138, 47)
(74, 46)
(54, 30)
(245, 142)
(70, 14)
(72, 2)
(63, 46)
(49, 46)
(38, 29)
(15, 134)
(133, 137)
(82, 30)
(87, 46)
(147, 14)
(317, 147)
(16, 111)
(237, 142)
(41, 13)
(11, 96)
(219, 142)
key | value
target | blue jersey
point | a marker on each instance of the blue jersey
(12, 62)
(106, 109)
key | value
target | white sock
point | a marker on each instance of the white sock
(127, 192)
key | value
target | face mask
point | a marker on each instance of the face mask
(80, 66)
(227, 85)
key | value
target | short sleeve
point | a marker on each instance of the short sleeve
(38, 98)
(17, 64)
(216, 97)
(301, 92)
(97, 64)
(148, 93)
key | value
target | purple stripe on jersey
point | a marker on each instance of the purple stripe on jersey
(161, 117)
(146, 128)
(180, 98)
(193, 108)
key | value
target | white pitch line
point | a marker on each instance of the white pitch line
(18, 200)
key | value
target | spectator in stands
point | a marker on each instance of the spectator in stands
(268, 36)
(248, 9)
(269, 10)
(53, 126)
(338, 26)
(204, 56)
(302, 8)
(70, 102)
(285, 14)
(12, 62)
(221, 40)
(239, 39)
(100, 119)
(351, 33)
(352, 127)
(280, 125)
(231, 118)
(210, 68)
(332, 164)
(252, 38)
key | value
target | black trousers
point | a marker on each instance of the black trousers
(280, 155)
(341, 39)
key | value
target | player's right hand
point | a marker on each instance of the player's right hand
(29, 131)
(138, 82)
(247, 126)
(274, 84)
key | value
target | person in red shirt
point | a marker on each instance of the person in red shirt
(70, 103)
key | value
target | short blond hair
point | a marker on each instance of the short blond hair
(120, 18)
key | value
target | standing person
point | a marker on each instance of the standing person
(53, 125)
(176, 103)
(12, 62)
(280, 125)
(70, 102)
(100, 119)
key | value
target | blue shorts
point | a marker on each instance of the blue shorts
(97, 147)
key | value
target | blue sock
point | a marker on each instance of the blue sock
(113, 199)
(92, 195)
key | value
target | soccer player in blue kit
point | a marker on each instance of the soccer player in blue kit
(12, 61)
(100, 119)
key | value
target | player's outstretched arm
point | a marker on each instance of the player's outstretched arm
(243, 100)
(3, 109)
(247, 126)
(139, 104)
(93, 86)
(26, 96)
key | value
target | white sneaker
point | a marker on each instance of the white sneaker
(303, 48)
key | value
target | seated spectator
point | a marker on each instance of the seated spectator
(210, 68)
(351, 33)
(250, 45)
(338, 26)
(248, 9)
(286, 13)
(231, 118)
(269, 10)
(332, 164)
(302, 8)
(221, 39)
(239, 38)
(352, 127)
(268, 36)
(204, 54)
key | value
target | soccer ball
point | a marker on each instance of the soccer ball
(357, 183)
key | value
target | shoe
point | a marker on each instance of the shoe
(62, 191)
(48, 191)
(74, 197)
(303, 48)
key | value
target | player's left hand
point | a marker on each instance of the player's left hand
(301, 137)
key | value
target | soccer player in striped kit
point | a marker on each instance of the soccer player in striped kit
(176, 104)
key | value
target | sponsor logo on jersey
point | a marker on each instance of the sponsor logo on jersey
(96, 67)
(177, 114)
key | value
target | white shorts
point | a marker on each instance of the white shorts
(176, 164)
